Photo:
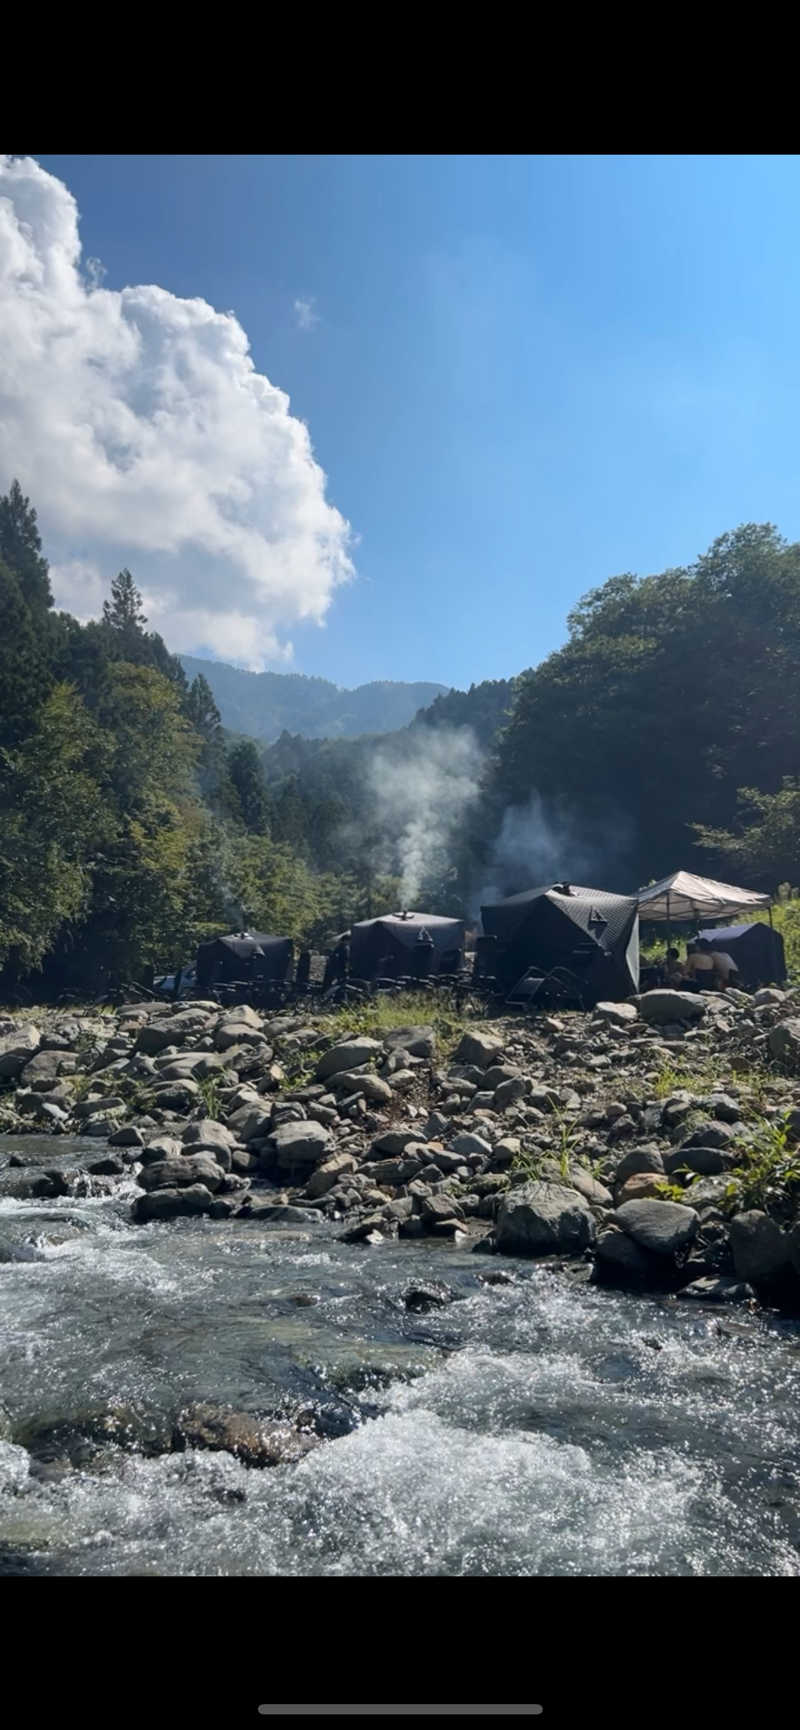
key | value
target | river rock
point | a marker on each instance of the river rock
(352, 1054)
(510, 1092)
(784, 1043)
(617, 1014)
(640, 1186)
(128, 1136)
(713, 1288)
(639, 1159)
(161, 1147)
(329, 1173)
(618, 1256)
(395, 1141)
(479, 1048)
(761, 1251)
(172, 1203)
(209, 1132)
(543, 1218)
(197, 1168)
(255, 1441)
(17, 1049)
(662, 1227)
(377, 1091)
(465, 1143)
(663, 1006)
(417, 1041)
(294, 1147)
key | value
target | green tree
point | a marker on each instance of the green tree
(764, 849)
(21, 548)
(247, 775)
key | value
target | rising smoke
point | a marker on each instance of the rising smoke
(420, 800)
(541, 843)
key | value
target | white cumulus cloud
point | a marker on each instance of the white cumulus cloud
(143, 433)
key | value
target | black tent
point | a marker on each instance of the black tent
(592, 934)
(411, 943)
(244, 955)
(756, 949)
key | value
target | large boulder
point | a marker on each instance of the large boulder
(298, 1147)
(172, 1203)
(352, 1054)
(480, 1049)
(662, 1227)
(182, 1173)
(663, 1006)
(543, 1219)
(762, 1253)
(17, 1047)
(784, 1043)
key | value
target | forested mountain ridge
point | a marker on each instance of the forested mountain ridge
(263, 705)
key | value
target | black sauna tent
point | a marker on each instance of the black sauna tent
(593, 934)
(244, 955)
(398, 938)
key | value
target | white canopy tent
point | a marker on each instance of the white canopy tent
(683, 897)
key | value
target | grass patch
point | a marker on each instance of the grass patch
(379, 1015)
(768, 1175)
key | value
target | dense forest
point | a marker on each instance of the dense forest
(132, 824)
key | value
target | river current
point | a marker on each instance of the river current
(535, 1427)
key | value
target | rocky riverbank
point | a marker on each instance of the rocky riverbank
(655, 1143)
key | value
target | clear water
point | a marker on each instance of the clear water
(541, 1427)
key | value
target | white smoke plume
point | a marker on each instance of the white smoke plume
(421, 798)
(541, 843)
(140, 427)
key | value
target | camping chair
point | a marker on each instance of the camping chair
(548, 990)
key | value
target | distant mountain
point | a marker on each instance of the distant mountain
(264, 705)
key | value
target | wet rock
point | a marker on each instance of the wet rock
(255, 1441)
(109, 1166)
(662, 1227)
(620, 1258)
(351, 1054)
(543, 1218)
(428, 1295)
(172, 1203)
(663, 1007)
(713, 1289)
(181, 1173)
(761, 1251)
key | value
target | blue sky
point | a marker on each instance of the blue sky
(522, 375)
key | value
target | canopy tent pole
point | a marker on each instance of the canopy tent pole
(668, 925)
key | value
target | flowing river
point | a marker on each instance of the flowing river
(538, 1426)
